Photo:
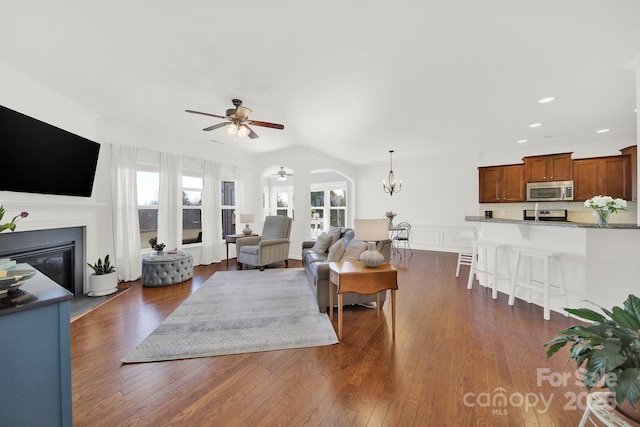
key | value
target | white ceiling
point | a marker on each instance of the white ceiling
(358, 78)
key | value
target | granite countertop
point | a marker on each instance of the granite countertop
(36, 292)
(570, 224)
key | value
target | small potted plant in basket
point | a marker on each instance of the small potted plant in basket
(104, 280)
(608, 350)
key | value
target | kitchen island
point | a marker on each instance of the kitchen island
(601, 263)
(35, 354)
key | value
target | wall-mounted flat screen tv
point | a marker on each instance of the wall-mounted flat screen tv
(36, 157)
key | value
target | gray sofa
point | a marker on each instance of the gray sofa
(316, 268)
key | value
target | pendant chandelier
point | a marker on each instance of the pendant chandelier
(393, 186)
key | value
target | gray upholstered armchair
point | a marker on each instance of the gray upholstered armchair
(272, 246)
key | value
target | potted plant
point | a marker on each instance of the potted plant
(159, 248)
(609, 350)
(104, 280)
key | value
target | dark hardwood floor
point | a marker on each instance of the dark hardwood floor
(459, 358)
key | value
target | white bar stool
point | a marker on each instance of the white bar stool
(544, 285)
(491, 252)
(465, 250)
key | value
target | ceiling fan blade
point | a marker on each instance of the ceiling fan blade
(219, 125)
(266, 124)
(252, 134)
(206, 114)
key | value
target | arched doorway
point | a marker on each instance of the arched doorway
(277, 191)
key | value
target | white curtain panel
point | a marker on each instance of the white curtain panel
(170, 201)
(125, 212)
(211, 215)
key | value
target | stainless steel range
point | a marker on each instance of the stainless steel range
(546, 214)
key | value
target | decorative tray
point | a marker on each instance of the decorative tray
(14, 278)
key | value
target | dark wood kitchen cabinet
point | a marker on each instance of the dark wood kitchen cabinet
(605, 176)
(632, 152)
(553, 167)
(501, 184)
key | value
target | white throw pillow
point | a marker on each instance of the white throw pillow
(334, 233)
(336, 251)
(354, 250)
(322, 243)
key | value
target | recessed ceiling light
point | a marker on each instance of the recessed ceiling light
(521, 141)
(602, 130)
(547, 99)
(535, 125)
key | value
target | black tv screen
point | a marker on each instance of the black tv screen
(40, 158)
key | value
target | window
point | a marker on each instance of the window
(328, 206)
(282, 203)
(228, 193)
(317, 213)
(284, 200)
(191, 209)
(338, 210)
(148, 190)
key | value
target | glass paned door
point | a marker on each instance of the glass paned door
(317, 213)
(337, 213)
(282, 203)
(328, 207)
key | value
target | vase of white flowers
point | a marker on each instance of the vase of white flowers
(605, 205)
(390, 215)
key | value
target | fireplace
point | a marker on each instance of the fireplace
(57, 253)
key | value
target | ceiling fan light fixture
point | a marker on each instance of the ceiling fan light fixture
(231, 130)
(282, 175)
(243, 131)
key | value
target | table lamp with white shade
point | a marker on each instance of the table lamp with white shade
(247, 218)
(371, 231)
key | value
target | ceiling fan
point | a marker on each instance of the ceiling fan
(282, 174)
(238, 121)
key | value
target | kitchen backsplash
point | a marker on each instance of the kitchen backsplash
(576, 211)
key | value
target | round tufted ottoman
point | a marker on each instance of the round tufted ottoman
(163, 270)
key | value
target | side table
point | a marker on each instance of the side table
(353, 276)
(232, 238)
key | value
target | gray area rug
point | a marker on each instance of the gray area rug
(240, 312)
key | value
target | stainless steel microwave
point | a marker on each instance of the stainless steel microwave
(549, 191)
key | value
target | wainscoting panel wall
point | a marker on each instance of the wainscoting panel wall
(443, 238)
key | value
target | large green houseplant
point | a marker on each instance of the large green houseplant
(104, 280)
(608, 349)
